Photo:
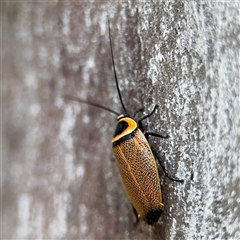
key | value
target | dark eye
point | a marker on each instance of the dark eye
(121, 126)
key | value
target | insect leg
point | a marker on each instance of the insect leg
(140, 126)
(155, 107)
(155, 135)
(139, 110)
(136, 215)
(147, 134)
(164, 169)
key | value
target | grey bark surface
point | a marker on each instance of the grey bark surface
(59, 180)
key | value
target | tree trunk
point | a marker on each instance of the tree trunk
(58, 174)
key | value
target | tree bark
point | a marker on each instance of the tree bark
(59, 179)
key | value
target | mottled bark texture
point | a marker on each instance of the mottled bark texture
(59, 180)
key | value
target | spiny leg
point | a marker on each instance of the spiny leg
(164, 169)
(140, 126)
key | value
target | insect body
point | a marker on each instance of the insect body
(138, 169)
(135, 160)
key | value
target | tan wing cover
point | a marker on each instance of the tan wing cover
(139, 173)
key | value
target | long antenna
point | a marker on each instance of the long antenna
(115, 75)
(90, 103)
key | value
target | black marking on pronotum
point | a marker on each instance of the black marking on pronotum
(121, 126)
(124, 138)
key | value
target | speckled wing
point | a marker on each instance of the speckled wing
(139, 173)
